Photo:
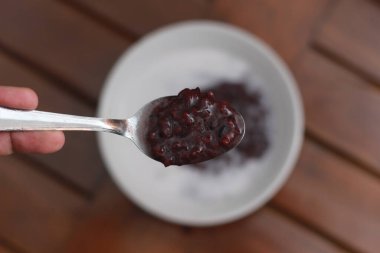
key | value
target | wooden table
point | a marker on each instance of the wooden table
(66, 202)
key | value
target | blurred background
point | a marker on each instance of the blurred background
(66, 202)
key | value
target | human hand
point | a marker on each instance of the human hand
(26, 142)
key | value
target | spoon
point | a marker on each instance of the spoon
(134, 128)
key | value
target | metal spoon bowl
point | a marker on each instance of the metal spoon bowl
(134, 128)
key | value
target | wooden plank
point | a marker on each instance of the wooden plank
(116, 225)
(341, 108)
(79, 161)
(4, 250)
(352, 33)
(336, 197)
(285, 25)
(36, 214)
(265, 231)
(140, 17)
(60, 40)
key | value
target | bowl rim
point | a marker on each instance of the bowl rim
(296, 102)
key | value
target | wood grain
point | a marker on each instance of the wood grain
(285, 25)
(336, 197)
(140, 17)
(115, 225)
(4, 250)
(352, 33)
(341, 108)
(61, 41)
(79, 162)
(265, 231)
(36, 214)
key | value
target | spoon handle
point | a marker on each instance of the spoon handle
(25, 120)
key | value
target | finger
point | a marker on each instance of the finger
(17, 97)
(5, 143)
(37, 142)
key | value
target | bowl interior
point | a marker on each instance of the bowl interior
(189, 55)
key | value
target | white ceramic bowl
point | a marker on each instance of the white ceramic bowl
(194, 54)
